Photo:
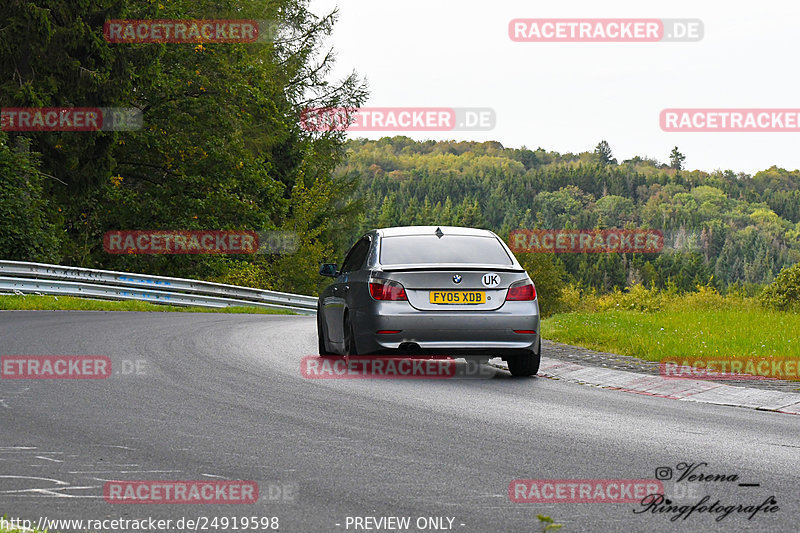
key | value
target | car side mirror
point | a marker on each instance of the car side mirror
(328, 270)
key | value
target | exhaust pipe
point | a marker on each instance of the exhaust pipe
(409, 347)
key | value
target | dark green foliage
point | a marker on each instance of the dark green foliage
(221, 146)
(676, 159)
(549, 278)
(784, 293)
(27, 231)
(720, 228)
(602, 153)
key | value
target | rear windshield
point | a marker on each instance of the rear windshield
(425, 249)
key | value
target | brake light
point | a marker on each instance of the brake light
(521, 290)
(383, 289)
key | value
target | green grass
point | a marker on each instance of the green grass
(4, 529)
(64, 303)
(662, 325)
(16, 530)
(679, 334)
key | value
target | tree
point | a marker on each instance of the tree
(784, 292)
(603, 154)
(549, 277)
(222, 145)
(615, 210)
(26, 229)
(676, 159)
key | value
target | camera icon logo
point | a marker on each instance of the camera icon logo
(663, 473)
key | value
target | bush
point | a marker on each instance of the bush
(244, 274)
(637, 298)
(549, 278)
(641, 299)
(26, 232)
(783, 294)
(705, 298)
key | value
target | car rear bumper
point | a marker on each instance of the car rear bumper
(447, 332)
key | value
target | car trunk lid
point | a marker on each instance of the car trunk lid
(420, 282)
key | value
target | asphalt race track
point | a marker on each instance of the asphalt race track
(221, 397)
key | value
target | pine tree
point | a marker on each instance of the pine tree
(603, 154)
(676, 159)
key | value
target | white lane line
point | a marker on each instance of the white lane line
(56, 481)
(48, 459)
(124, 471)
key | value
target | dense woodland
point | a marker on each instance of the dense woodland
(721, 228)
(222, 147)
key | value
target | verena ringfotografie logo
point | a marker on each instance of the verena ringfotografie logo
(161, 492)
(731, 368)
(392, 367)
(582, 490)
(586, 241)
(693, 478)
(398, 119)
(70, 119)
(589, 30)
(730, 120)
(55, 367)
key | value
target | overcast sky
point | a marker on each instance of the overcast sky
(568, 96)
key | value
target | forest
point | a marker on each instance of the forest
(222, 147)
(721, 229)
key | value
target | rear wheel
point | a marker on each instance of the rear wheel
(349, 337)
(526, 365)
(323, 349)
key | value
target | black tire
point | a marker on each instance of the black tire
(323, 349)
(526, 365)
(349, 337)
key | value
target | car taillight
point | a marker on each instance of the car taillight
(383, 289)
(521, 290)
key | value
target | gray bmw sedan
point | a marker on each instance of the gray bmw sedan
(428, 290)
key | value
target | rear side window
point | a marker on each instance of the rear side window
(424, 249)
(356, 256)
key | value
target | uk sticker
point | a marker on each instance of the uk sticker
(490, 280)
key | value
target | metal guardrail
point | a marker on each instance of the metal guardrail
(25, 277)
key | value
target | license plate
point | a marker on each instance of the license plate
(457, 297)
